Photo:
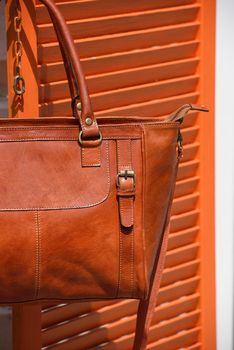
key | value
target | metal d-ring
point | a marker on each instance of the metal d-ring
(87, 143)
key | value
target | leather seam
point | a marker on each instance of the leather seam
(133, 231)
(38, 252)
(65, 139)
(120, 259)
(86, 165)
(120, 235)
(143, 211)
(132, 126)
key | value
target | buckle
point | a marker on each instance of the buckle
(126, 173)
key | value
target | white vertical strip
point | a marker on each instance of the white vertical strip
(225, 173)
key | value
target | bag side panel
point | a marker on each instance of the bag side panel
(160, 161)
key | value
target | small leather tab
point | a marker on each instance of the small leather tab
(181, 112)
(126, 182)
(200, 108)
(90, 156)
(126, 194)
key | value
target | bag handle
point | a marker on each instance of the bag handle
(89, 126)
(73, 84)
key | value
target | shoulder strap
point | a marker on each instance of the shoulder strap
(146, 307)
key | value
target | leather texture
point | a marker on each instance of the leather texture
(70, 230)
(85, 203)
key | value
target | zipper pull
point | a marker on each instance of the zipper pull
(181, 112)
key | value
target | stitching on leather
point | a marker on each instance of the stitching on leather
(132, 137)
(120, 234)
(36, 255)
(91, 165)
(132, 126)
(120, 259)
(38, 258)
(133, 231)
(66, 139)
(75, 206)
(86, 164)
(143, 150)
(132, 260)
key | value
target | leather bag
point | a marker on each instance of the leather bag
(85, 202)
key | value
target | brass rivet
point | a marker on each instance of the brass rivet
(78, 106)
(88, 121)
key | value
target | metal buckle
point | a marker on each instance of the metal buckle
(126, 173)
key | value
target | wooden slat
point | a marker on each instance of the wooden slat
(181, 255)
(107, 44)
(69, 311)
(89, 9)
(188, 169)
(187, 186)
(122, 79)
(190, 152)
(184, 221)
(182, 339)
(54, 71)
(128, 96)
(174, 342)
(195, 347)
(147, 109)
(153, 108)
(175, 309)
(178, 289)
(113, 24)
(190, 134)
(180, 272)
(185, 203)
(182, 238)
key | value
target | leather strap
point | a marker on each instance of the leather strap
(126, 195)
(146, 307)
(73, 84)
(74, 70)
(125, 183)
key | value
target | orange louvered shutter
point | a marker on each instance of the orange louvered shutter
(144, 58)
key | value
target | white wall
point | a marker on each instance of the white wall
(225, 173)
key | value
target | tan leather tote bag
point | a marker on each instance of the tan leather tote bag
(85, 202)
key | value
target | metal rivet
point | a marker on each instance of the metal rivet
(88, 121)
(78, 106)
